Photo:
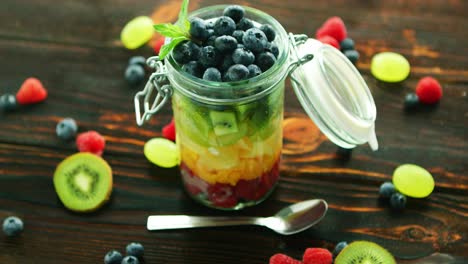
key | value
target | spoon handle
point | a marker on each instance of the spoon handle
(162, 222)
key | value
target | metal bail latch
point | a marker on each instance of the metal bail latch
(155, 87)
(295, 41)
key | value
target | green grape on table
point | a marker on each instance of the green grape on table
(413, 181)
(162, 152)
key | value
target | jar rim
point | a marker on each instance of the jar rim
(281, 40)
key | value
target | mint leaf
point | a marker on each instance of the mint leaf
(178, 32)
(183, 21)
(166, 48)
(169, 30)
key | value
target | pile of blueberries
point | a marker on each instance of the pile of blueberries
(134, 250)
(227, 49)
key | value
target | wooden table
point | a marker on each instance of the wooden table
(73, 47)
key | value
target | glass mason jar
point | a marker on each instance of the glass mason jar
(229, 134)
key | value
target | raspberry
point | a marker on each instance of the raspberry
(91, 141)
(329, 40)
(333, 27)
(283, 259)
(428, 90)
(158, 44)
(222, 195)
(317, 256)
(31, 91)
(249, 189)
(169, 131)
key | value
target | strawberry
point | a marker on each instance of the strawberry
(91, 141)
(317, 256)
(31, 91)
(283, 259)
(169, 131)
(329, 40)
(333, 27)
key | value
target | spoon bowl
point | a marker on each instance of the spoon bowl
(289, 220)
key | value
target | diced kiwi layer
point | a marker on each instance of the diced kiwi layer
(83, 182)
(224, 125)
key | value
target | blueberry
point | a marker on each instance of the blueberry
(273, 48)
(236, 72)
(411, 101)
(134, 74)
(135, 249)
(235, 12)
(397, 201)
(210, 32)
(198, 28)
(269, 31)
(113, 257)
(254, 70)
(210, 24)
(352, 55)
(240, 46)
(137, 60)
(339, 247)
(227, 62)
(212, 74)
(130, 260)
(386, 189)
(195, 50)
(8, 102)
(182, 53)
(238, 34)
(244, 24)
(265, 60)
(209, 56)
(66, 129)
(211, 41)
(255, 40)
(194, 68)
(243, 56)
(347, 44)
(12, 226)
(224, 26)
(225, 43)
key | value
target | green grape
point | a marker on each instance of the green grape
(137, 32)
(413, 181)
(162, 152)
(390, 67)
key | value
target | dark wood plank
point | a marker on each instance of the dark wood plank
(73, 47)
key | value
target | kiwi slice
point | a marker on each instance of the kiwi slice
(224, 122)
(83, 182)
(364, 252)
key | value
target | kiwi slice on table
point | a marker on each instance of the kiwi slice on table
(364, 252)
(83, 182)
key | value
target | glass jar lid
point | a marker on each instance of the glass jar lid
(333, 94)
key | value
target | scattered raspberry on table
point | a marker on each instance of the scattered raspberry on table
(429, 90)
(32, 91)
(91, 141)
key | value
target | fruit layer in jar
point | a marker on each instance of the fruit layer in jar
(224, 148)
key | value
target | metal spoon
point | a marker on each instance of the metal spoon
(290, 220)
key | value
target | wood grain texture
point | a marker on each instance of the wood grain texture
(73, 47)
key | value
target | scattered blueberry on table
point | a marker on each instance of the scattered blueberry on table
(113, 257)
(66, 129)
(12, 226)
(8, 102)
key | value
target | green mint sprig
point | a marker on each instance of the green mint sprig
(178, 32)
